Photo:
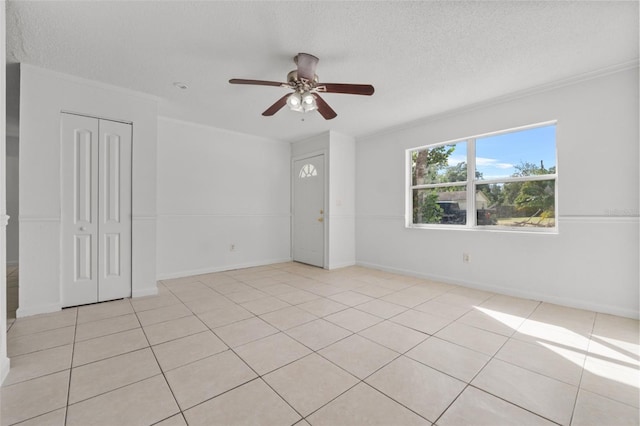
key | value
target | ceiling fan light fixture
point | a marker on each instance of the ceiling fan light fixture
(309, 102)
(295, 102)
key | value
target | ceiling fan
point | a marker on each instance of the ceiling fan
(306, 87)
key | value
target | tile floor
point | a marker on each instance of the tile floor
(290, 344)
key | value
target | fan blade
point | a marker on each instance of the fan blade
(257, 82)
(277, 106)
(306, 65)
(350, 89)
(324, 109)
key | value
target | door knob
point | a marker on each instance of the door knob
(320, 219)
(82, 228)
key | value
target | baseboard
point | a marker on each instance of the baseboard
(151, 291)
(341, 265)
(5, 365)
(532, 295)
(213, 269)
(35, 310)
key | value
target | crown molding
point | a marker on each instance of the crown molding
(569, 81)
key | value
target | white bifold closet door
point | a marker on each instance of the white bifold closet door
(96, 210)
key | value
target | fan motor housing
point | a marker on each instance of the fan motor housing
(299, 84)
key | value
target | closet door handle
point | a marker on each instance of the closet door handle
(82, 228)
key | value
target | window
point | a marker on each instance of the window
(505, 180)
(307, 170)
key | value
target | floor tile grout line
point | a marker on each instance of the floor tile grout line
(514, 404)
(106, 335)
(536, 372)
(258, 375)
(181, 414)
(73, 354)
(359, 380)
(470, 385)
(508, 338)
(159, 367)
(35, 417)
(115, 389)
(40, 350)
(332, 399)
(52, 373)
(584, 363)
(529, 369)
(492, 357)
(35, 332)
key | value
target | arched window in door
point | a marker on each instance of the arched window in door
(307, 170)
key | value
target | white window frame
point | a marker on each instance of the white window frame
(471, 183)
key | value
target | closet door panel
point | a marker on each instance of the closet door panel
(114, 230)
(79, 224)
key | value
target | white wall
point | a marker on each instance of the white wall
(342, 182)
(217, 188)
(12, 176)
(592, 262)
(43, 95)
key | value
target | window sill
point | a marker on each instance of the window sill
(489, 229)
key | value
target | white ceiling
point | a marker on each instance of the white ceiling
(423, 58)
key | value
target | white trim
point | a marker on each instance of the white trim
(603, 72)
(342, 215)
(38, 309)
(242, 215)
(598, 219)
(341, 265)
(208, 126)
(532, 295)
(97, 117)
(214, 269)
(23, 218)
(149, 291)
(595, 219)
(470, 187)
(440, 185)
(144, 218)
(4, 219)
(93, 83)
(530, 178)
(379, 217)
(486, 134)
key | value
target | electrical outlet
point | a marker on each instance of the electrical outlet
(465, 257)
(232, 247)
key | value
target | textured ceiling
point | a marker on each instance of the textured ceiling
(423, 58)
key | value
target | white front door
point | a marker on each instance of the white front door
(96, 210)
(308, 210)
